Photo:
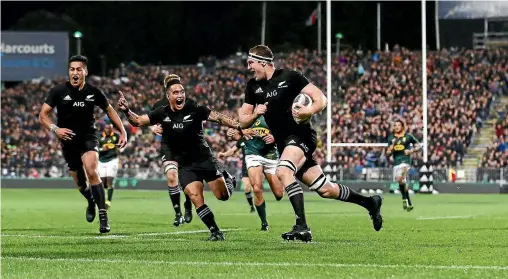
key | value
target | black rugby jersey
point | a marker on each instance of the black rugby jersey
(183, 131)
(280, 92)
(75, 108)
(160, 103)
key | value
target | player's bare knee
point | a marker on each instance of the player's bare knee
(258, 189)
(172, 177)
(223, 196)
(285, 171)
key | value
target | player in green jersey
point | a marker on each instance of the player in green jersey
(399, 146)
(261, 157)
(245, 177)
(108, 159)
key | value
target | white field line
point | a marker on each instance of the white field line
(243, 264)
(113, 236)
(444, 217)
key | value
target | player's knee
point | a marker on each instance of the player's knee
(400, 180)
(223, 196)
(285, 170)
(278, 195)
(172, 177)
(258, 188)
(283, 173)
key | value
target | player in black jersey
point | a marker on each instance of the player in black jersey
(189, 158)
(247, 187)
(174, 192)
(75, 101)
(271, 93)
(108, 159)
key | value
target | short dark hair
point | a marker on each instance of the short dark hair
(79, 58)
(262, 50)
(401, 123)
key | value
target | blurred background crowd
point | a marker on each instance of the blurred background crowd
(370, 91)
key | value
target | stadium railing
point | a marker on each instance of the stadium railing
(468, 175)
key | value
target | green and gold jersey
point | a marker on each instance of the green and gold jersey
(110, 141)
(400, 145)
(257, 146)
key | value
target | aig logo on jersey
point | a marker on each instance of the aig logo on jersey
(271, 94)
(178, 126)
(78, 104)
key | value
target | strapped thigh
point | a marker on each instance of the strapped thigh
(318, 182)
(288, 164)
(170, 165)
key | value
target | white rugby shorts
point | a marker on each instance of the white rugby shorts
(269, 166)
(400, 170)
(108, 169)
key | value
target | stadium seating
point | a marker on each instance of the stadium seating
(370, 91)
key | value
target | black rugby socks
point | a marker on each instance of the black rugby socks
(174, 195)
(295, 195)
(207, 217)
(348, 195)
(99, 196)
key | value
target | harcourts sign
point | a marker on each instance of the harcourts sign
(29, 55)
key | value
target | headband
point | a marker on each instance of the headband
(260, 58)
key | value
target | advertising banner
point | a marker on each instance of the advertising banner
(29, 55)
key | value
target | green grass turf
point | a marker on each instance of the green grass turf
(45, 235)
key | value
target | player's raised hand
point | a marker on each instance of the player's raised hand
(269, 139)
(122, 102)
(156, 129)
(260, 109)
(122, 141)
(64, 133)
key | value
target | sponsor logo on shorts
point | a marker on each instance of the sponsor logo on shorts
(304, 147)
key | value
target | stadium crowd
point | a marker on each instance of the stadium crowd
(371, 90)
(496, 155)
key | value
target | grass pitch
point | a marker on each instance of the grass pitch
(45, 235)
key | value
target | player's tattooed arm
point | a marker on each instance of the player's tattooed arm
(225, 120)
(134, 119)
(137, 120)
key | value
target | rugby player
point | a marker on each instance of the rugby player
(400, 148)
(108, 160)
(189, 159)
(174, 192)
(271, 93)
(261, 157)
(75, 101)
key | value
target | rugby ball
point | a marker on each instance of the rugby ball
(302, 100)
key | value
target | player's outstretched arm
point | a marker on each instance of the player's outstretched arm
(228, 152)
(229, 122)
(134, 119)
